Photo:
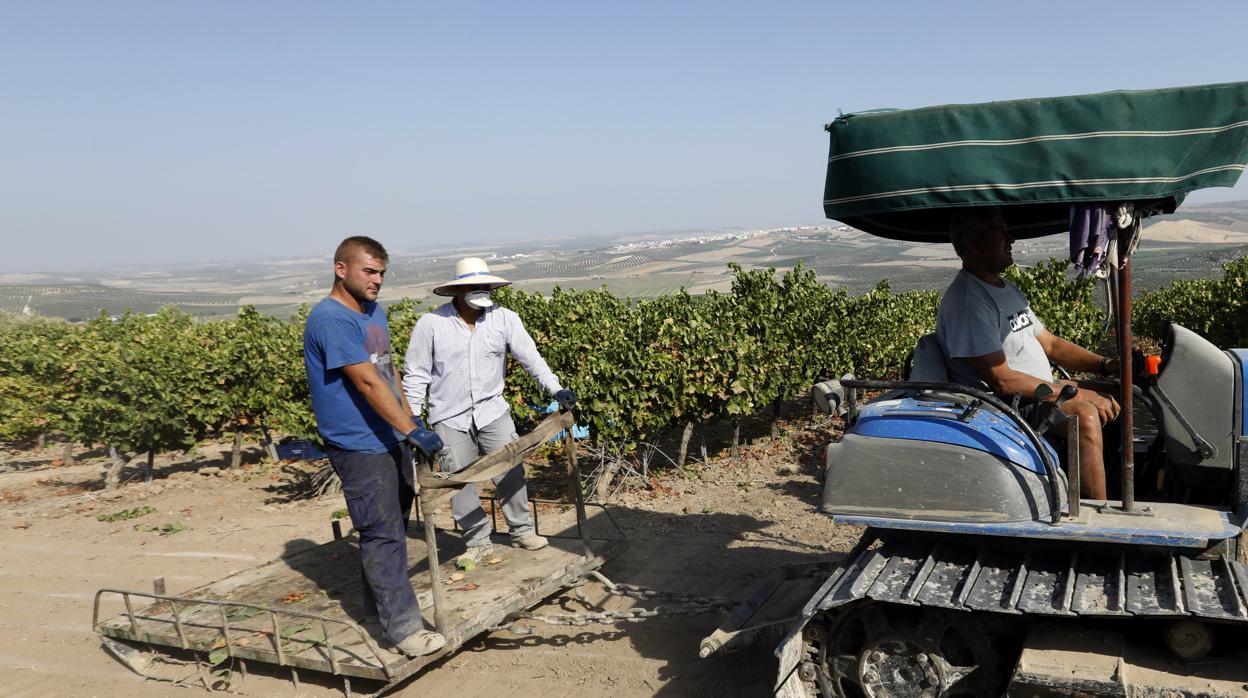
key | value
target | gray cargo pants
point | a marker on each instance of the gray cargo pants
(460, 449)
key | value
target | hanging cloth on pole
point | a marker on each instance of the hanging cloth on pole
(1092, 228)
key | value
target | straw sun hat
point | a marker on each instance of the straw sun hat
(470, 271)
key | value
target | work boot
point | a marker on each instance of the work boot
(474, 556)
(530, 541)
(420, 643)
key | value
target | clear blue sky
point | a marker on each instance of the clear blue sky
(159, 132)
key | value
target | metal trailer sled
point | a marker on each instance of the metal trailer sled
(305, 611)
(979, 549)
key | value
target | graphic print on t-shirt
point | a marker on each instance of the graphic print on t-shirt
(1020, 320)
(377, 344)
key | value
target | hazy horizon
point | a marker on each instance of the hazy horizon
(398, 250)
(146, 133)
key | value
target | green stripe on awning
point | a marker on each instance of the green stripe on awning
(898, 174)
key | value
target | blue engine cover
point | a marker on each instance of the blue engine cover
(933, 419)
(1241, 357)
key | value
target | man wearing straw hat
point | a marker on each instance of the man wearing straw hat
(458, 357)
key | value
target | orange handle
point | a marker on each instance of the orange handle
(1152, 364)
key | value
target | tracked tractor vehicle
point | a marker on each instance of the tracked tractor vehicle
(981, 571)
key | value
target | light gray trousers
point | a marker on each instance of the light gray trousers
(460, 449)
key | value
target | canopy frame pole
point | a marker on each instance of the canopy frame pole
(1126, 421)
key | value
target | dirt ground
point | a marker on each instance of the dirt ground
(708, 529)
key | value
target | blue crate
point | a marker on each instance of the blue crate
(299, 449)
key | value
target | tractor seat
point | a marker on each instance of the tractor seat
(927, 362)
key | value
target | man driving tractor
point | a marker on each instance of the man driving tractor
(988, 331)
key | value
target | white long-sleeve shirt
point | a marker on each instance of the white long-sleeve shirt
(462, 369)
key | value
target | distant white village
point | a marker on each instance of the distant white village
(801, 232)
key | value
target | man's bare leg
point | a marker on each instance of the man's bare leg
(1091, 460)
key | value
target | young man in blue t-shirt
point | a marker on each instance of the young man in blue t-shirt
(368, 432)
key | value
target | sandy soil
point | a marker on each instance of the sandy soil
(20, 278)
(649, 268)
(1192, 232)
(711, 529)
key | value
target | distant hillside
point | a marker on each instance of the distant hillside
(1192, 243)
(1229, 215)
(1220, 223)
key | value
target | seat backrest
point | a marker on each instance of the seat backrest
(928, 362)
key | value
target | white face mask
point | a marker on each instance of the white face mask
(480, 300)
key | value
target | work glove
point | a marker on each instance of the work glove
(424, 440)
(566, 398)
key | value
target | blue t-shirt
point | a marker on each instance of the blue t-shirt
(337, 336)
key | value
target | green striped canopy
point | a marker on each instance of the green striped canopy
(898, 173)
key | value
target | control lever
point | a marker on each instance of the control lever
(1140, 367)
(1055, 415)
(1043, 391)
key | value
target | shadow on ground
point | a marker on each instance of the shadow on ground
(699, 554)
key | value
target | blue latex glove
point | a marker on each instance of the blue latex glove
(566, 398)
(424, 440)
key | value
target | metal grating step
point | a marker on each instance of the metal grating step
(1153, 586)
(1056, 580)
(1048, 582)
(999, 584)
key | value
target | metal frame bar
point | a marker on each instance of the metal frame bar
(1074, 471)
(1126, 417)
(224, 628)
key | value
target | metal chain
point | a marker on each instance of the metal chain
(644, 593)
(683, 604)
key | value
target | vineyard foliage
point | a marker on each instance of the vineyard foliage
(1216, 309)
(164, 382)
(32, 369)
